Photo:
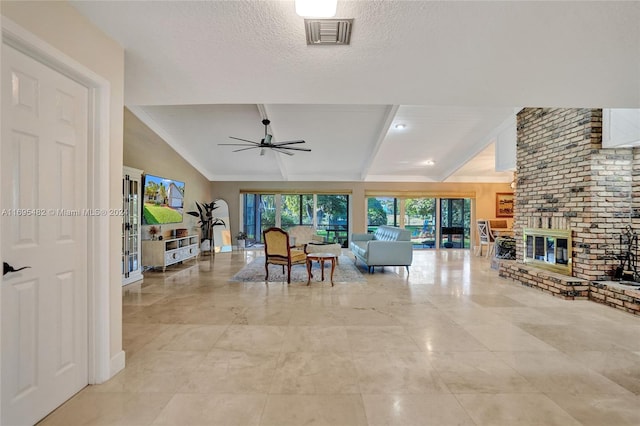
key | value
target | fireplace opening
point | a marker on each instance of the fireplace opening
(548, 248)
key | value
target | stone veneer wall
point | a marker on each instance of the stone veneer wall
(565, 180)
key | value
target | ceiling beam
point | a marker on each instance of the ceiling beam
(478, 146)
(283, 170)
(382, 134)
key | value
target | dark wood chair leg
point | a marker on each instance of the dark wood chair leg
(266, 267)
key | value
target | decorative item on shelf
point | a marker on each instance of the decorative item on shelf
(241, 237)
(153, 231)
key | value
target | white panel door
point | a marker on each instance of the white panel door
(44, 189)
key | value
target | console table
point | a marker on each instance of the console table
(162, 253)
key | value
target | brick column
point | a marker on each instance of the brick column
(567, 181)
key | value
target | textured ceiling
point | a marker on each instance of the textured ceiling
(199, 72)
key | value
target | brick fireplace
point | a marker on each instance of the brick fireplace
(566, 181)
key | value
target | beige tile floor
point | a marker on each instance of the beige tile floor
(450, 344)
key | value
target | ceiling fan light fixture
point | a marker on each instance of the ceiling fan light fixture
(316, 8)
(267, 143)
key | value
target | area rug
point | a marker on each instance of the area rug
(345, 271)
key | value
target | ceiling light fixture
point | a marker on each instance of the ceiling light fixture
(316, 8)
(400, 126)
(429, 163)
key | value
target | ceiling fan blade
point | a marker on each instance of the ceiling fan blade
(244, 149)
(244, 140)
(293, 148)
(288, 143)
(235, 144)
(281, 151)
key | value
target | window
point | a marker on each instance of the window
(332, 212)
(329, 213)
(420, 219)
(382, 211)
(455, 222)
(421, 216)
(259, 214)
(296, 210)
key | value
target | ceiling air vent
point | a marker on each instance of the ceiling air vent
(328, 31)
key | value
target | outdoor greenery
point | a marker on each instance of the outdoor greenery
(332, 209)
(424, 208)
(297, 210)
(156, 214)
(375, 212)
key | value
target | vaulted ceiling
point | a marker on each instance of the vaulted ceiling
(452, 72)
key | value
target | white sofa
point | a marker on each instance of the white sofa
(388, 246)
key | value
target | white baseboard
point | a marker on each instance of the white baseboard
(117, 363)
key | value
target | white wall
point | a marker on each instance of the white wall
(620, 127)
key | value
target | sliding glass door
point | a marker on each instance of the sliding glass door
(259, 213)
(420, 219)
(431, 227)
(332, 215)
(328, 213)
(382, 211)
(455, 222)
(297, 209)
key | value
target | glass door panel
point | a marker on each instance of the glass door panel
(249, 216)
(297, 209)
(267, 210)
(382, 211)
(333, 218)
(455, 221)
(420, 219)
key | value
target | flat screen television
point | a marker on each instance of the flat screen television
(163, 200)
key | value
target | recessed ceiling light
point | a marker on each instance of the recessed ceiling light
(400, 126)
(429, 163)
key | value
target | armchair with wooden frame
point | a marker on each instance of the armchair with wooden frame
(278, 251)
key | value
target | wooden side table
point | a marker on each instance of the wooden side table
(321, 257)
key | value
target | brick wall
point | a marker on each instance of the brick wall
(567, 181)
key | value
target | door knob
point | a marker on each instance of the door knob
(6, 268)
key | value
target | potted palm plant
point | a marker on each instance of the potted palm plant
(207, 222)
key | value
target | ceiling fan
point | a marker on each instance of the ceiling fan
(281, 147)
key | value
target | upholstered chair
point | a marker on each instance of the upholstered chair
(278, 251)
